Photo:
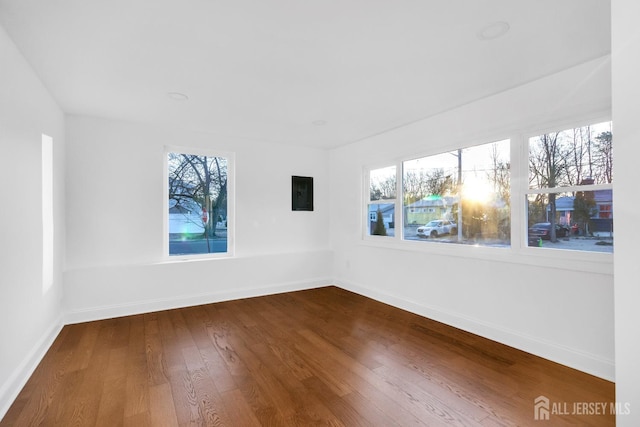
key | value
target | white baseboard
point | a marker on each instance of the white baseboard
(576, 359)
(12, 387)
(148, 306)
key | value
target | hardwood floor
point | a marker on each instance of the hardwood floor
(318, 357)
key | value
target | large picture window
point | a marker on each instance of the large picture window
(561, 183)
(198, 196)
(462, 196)
(570, 196)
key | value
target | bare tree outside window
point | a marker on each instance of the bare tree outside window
(382, 184)
(197, 192)
(560, 165)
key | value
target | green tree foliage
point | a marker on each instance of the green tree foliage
(379, 229)
(583, 205)
(537, 209)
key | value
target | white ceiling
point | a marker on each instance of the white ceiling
(319, 73)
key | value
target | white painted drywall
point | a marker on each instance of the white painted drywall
(567, 317)
(626, 113)
(115, 260)
(30, 313)
(560, 310)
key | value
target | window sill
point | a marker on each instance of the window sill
(593, 262)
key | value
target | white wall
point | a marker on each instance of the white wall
(115, 261)
(30, 314)
(115, 195)
(522, 297)
(626, 96)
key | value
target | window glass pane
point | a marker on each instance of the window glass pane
(197, 194)
(381, 219)
(582, 220)
(381, 215)
(430, 193)
(571, 157)
(434, 185)
(382, 184)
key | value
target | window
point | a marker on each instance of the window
(462, 196)
(605, 212)
(47, 212)
(199, 201)
(570, 196)
(381, 204)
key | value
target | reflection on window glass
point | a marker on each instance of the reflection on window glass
(462, 196)
(197, 192)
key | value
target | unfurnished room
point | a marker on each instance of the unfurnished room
(297, 213)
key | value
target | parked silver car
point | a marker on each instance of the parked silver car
(436, 228)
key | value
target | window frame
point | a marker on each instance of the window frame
(476, 143)
(525, 191)
(230, 157)
(519, 252)
(366, 235)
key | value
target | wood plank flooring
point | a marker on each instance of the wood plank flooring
(318, 357)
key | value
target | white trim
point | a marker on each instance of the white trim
(562, 259)
(367, 201)
(148, 306)
(14, 384)
(589, 363)
(574, 358)
(570, 189)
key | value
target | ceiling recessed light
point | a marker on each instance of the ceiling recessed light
(493, 31)
(320, 122)
(177, 96)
